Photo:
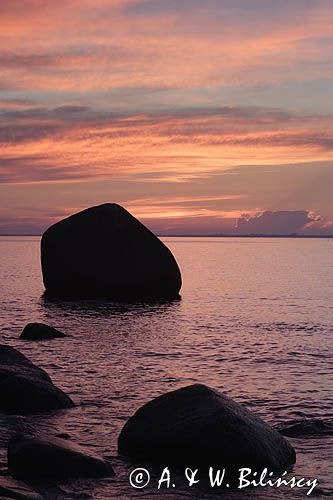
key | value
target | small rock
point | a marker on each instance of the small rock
(306, 427)
(25, 388)
(10, 488)
(33, 457)
(197, 426)
(40, 331)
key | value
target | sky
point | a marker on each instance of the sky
(198, 116)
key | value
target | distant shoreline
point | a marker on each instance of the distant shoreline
(217, 235)
(246, 235)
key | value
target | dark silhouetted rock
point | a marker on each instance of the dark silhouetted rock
(306, 427)
(39, 331)
(33, 457)
(26, 388)
(10, 488)
(196, 426)
(105, 252)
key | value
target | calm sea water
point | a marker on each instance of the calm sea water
(255, 321)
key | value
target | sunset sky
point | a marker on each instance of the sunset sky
(198, 116)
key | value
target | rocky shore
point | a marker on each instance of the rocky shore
(105, 252)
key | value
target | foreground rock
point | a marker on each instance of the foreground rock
(197, 426)
(105, 252)
(26, 388)
(40, 331)
(35, 458)
(9, 488)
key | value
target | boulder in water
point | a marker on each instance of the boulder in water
(106, 252)
(198, 426)
(40, 331)
(10, 488)
(35, 458)
(25, 388)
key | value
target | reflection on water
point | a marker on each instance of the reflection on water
(107, 308)
(255, 320)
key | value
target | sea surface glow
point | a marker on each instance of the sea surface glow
(255, 321)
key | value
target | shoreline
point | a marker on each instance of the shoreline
(302, 236)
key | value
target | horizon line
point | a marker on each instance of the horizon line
(212, 235)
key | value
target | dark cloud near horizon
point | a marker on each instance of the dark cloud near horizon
(266, 115)
(209, 205)
(279, 222)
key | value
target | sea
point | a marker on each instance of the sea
(254, 321)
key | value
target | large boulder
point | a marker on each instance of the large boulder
(197, 426)
(40, 331)
(35, 458)
(105, 252)
(26, 388)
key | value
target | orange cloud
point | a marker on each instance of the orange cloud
(77, 143)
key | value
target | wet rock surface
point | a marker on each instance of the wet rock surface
(11, 488)
(36, 457)
(40, 331)
(25, 388)
(198, 426)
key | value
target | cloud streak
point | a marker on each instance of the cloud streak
(77, 142)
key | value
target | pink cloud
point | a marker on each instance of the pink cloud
(75, 142)
(113, 44)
